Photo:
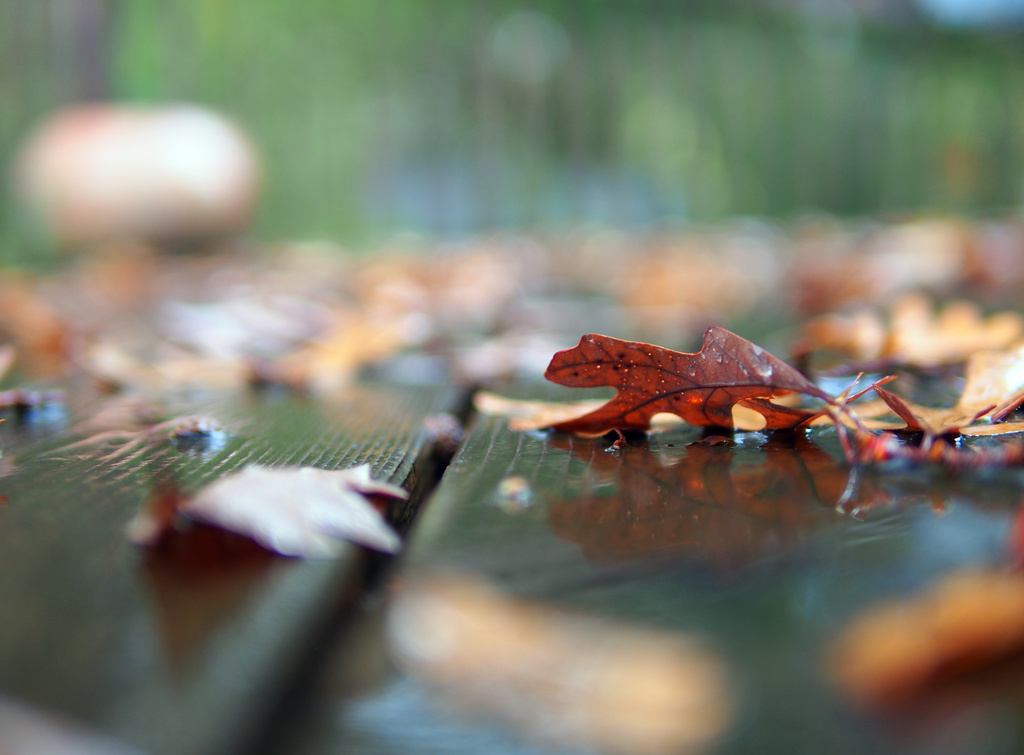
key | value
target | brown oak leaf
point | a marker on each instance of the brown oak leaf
(702, 388)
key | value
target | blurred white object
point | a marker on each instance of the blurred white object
(115, 172)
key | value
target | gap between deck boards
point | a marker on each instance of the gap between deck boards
(427, 471)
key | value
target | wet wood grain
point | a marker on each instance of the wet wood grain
(187, 655)
(760, 546)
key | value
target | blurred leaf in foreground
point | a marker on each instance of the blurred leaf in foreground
(564, 680)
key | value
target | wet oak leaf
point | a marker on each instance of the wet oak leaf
(702, 388)
(304, 512)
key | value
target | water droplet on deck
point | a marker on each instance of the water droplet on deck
(513, 495)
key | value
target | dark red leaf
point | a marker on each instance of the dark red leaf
(702, 388)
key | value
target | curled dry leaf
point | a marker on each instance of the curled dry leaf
(701, 388)
(968, 620)
(861, 446)
(568, 681)
(296, 512)
(991, 389)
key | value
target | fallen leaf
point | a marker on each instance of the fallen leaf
(841, 265)
(991, 389)
(674, 285)
(701, 388)
(862, 446)
(352, 341)
(922, 338)
(199, 575)
(42, 336)
(915, 336)
(295, 512)
(932, 422)
(502, 357)
(968, 620)
(262, 324)
(114, 368)
(567, 681)
(860, 335)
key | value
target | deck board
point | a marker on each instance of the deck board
(742, 546)
(165, 656)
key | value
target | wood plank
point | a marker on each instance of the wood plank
(751, 547)
(176, 657)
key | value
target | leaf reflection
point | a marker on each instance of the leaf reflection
(726, 505)
(200, 578)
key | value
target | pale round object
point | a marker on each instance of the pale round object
(113, 172)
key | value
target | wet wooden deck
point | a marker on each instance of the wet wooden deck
(760, 549)
(192, 650)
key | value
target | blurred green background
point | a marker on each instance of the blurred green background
(456, 116)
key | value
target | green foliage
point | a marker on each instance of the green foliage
(373, 116)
